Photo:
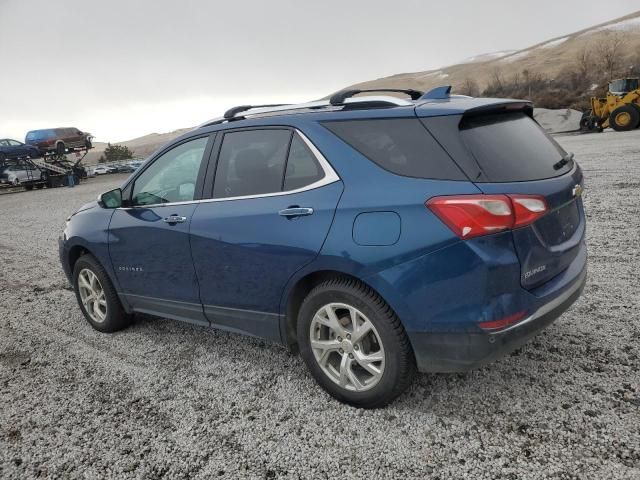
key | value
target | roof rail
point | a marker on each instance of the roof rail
(438, 93)
(339, 97)
(254, 110)
(232, 112)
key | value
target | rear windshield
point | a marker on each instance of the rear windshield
(40, 134)
(400, 145)
(511, 147)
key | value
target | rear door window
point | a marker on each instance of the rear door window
(251, 162)
(511, 147)
(400, 145)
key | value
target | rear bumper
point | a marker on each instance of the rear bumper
(461, 351)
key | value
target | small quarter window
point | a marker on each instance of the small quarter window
(400, 145)
(302, 167)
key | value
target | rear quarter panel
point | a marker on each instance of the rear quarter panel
(370, 188)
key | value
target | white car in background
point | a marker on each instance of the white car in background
(102, 170)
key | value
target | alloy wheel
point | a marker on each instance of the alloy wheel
(347, 347)
(92, 295)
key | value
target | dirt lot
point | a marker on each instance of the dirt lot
(166, 399)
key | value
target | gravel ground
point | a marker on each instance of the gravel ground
(166, 399)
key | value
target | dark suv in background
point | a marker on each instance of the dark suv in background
(59, 140)
(10, 149)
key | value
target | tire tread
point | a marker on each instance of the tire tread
(407, 365)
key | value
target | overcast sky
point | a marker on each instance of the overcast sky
(125, 68)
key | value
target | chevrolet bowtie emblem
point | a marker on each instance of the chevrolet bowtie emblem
(577, 191)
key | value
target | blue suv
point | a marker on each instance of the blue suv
(373, 234)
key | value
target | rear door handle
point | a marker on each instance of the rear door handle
(175, 219)
(293, 212)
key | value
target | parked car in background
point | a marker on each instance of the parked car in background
(10, 149)
(102, 170)
(124, 169)
(59, 140)
(375, 235)
(21, 173)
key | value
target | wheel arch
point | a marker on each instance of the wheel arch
(80, 249)
(300, 287)
(75, 253)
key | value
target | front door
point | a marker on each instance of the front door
(149, 239)
(274, 198)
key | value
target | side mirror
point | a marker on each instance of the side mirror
(111, 199)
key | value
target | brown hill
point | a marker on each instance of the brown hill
(142, 146)
(601, 52)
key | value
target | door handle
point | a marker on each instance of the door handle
(175, 219)
(293, 212)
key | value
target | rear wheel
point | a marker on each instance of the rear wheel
(16, 181)
(624, 118)
(353, 344)
(3, 157)
(28, 187)
(60, 149)
(97, 297)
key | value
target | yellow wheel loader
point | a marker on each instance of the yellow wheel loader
(620, 110)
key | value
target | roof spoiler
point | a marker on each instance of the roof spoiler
(502, 107)
(438, 93)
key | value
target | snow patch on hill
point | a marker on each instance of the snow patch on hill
(515, 56)
(485, 57)
(554, 43)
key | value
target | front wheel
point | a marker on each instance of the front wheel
(624, 118)
(60, 149)
(354, 345)
(97, 297)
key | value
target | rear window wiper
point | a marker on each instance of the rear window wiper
(566, 159)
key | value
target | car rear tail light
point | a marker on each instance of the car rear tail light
(527, 208)
(471, 216)
(503, 322)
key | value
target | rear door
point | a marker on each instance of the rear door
(272, 203)
(509, 153)
(149, 240)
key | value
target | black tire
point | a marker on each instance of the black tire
(3, 157)
(40, 186)
(116, 318)
(60, 149)
(87, 143)
(28, 187)
(624, 118)
(399, 361)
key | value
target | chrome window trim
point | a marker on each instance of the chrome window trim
(330, 176)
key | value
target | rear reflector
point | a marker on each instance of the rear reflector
(503, 322)
(471, 216)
